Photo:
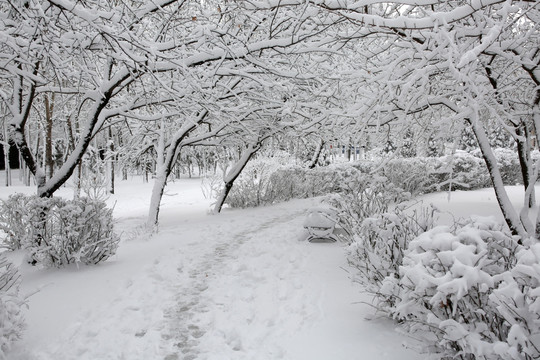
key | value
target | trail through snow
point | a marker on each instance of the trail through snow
(241, 285)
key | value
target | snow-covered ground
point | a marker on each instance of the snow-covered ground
(240, 285)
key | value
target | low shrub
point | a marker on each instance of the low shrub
(12, 322)
(446, 289)
(12, 223)
(251, 188)
(380, 244)
(362, 196)
(413, 175)
(65, 232)
(461, 171)
(267, 180)
(56, 232)
(517, 300)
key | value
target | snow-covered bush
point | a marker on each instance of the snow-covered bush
(56, 232)
(509, 165)
(362, 196)
(268, 180)
(251, 187)
(461, 171)
(12, 221)
(445, 288)
(379, 246)
(11, 303)
(508, 162)
(210, 186)
(295, 182)
(411, 174)
(64, 232)
(517, 299)
(94, 182)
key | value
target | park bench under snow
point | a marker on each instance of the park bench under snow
(320, 224)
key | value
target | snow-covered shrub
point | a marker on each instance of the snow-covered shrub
(517, 299)
(461, 171)
(444, 290)
(12, 221)
(210, 186)
(362, 196)
(11, 303)
(64, 232)
(295, 182)
(94, 182)
(411, 174)
(379, 246)
(250, 188)
(509, 166)
(269, 179)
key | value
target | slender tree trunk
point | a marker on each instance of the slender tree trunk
(77, 181)
(536, 122)
(49, 162)
(157, 194)
(524, 154)
(7, 145)
(233, 174)
(509, 213)
(110, 160)
(6, 162)
(166, 160)
(160, 181)
(316, 154)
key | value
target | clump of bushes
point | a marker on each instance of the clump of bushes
(56, 232)
(379, 246)
(13, 221)
(361, 197)
(267, 180)
(12, 321)
(469, 291)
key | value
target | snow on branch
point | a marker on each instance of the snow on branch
(433, 20)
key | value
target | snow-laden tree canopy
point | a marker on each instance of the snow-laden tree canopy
(176, 73)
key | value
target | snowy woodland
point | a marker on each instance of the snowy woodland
(159, 156)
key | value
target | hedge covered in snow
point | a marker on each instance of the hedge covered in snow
(56, 232)
(267, 180)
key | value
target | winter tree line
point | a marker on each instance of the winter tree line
(107, 87)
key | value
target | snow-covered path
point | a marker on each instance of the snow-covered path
(241, 285)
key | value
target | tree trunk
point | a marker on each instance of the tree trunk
(110, 161)
(524, 154)
(49, 161)
(316, 154)
(165, 162)
(536, 122)
(77, 182)
(157, 193)
(234, 173)
(6, 162)
(7, 145)
(509, 213)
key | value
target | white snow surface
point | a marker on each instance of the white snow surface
(239, 285)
